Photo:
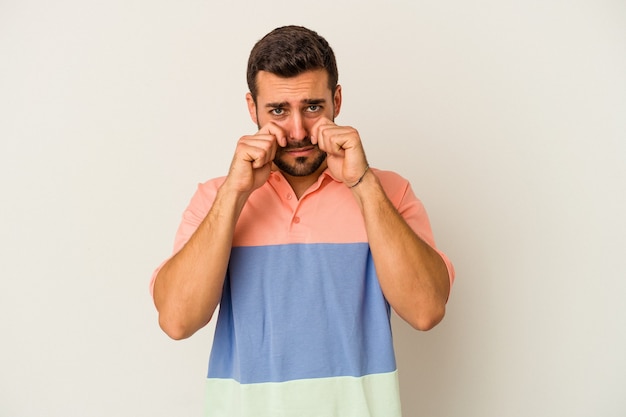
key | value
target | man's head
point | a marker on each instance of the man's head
(292, 77)
(289, 51)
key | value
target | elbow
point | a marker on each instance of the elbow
(176, 328)
(176, 331)
(426, 320)
(175, 322)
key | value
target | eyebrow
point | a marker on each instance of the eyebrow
(308, 101)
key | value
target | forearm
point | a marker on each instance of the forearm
(412, 275)
(188, 287)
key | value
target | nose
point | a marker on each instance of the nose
(297, 128)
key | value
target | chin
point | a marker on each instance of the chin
(302, 166)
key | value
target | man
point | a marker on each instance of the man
(305, 248)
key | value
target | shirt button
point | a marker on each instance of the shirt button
(289, 196)
(296, 220)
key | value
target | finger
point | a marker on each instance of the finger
(315, 130)
(258, 150)
(335, 139)
(276, 131)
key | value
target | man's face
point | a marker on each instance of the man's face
(295, 104)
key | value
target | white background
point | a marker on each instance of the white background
(508, 117)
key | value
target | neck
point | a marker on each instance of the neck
(301, 184)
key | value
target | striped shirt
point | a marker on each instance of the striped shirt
(303, 328)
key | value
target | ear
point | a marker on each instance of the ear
(252, 108)
(337, 101)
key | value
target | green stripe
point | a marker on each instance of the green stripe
(369, 396)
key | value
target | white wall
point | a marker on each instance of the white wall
(509, 118)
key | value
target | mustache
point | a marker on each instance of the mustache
(306, 141)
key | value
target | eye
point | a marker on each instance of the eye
(277, 111)
(313, 108)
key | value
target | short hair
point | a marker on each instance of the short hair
(289, 51)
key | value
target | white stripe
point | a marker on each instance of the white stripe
(369, 396)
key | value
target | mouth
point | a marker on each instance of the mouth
(300, 151)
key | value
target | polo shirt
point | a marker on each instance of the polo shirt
(303, 328)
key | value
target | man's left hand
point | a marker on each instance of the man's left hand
(342, 144)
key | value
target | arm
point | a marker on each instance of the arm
(412, 275)
(188, 288)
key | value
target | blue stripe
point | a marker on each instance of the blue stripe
(301, 311)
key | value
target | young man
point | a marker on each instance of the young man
(305, 248)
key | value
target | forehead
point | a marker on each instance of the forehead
(308, 85)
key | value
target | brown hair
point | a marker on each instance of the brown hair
(289, 51)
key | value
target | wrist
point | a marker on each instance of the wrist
(367, 167)
(229, 195)
(368, 188)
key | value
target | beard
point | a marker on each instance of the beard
(302, 166)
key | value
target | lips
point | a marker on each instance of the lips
(300, 151)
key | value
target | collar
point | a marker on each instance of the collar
(277, 177)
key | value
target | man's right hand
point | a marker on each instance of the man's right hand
(252, 163)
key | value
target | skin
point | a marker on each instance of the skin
(297, 133)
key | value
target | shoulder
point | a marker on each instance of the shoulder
(394, 184)
(208, 189)
(211, 184)
(390, 178)
(202, 199)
